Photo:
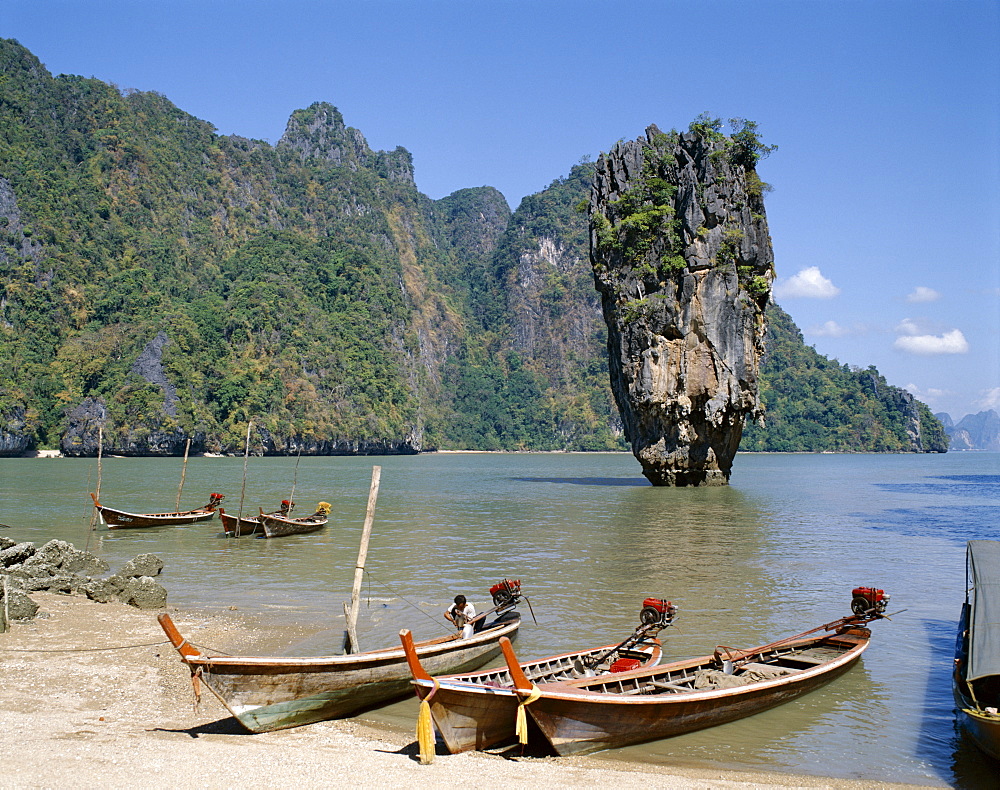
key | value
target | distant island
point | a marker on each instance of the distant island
(979, 431)
(165, 283)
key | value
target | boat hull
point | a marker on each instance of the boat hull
(274, 527)
(237, 527)
(120, 519)
(470, 715)
(265, 693)
(982, 727)
(577, 720)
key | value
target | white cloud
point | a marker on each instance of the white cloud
(807, 284)
(990, 400)
(922, 294)
(829, 329)
(908, 327)
(951, 342)
(931, 396)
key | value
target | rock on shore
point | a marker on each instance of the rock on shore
(59, 567)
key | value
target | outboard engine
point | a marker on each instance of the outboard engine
(657, 612)
(505, 594)
(655, 615)
(869, 601)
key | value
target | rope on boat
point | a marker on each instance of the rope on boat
(521, 724)
(403, 599)
(425, 727)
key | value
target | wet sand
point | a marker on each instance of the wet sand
(93, 695)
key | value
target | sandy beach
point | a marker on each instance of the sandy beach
(93, 695)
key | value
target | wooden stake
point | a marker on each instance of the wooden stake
(184, 467)
(359, 571)
(94, 515)
(243, 491)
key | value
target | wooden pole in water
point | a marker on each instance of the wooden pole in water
(184, 467)
(243, 490)
(351, 612)
(100, 450)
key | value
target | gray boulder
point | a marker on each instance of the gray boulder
(143, 593)
(16, 554)
(18, 605)
(60, 555)
(142, 565)
(6, 543)
(104, 590)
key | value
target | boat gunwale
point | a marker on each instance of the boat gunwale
(568, 690)
(430, 647)
(465, 683)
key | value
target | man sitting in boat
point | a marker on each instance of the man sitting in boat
(461, 613)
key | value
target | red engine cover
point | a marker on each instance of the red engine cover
(625, 664)
(658, 604)
(511, 585)
(868, 593)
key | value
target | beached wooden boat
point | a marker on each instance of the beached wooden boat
(276, 526)
(122, 519)
(610, 711)
(478, 710)
(241, 526)
(976, 676)
(272, 692)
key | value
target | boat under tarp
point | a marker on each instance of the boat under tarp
(976, 679)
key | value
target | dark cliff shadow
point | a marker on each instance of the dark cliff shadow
(623, 482)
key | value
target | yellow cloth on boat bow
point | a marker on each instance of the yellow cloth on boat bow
(521, 726)
(425, 729)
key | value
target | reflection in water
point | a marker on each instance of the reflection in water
(774, 554)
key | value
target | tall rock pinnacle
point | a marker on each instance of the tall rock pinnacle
(683, 262)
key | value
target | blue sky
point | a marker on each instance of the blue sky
(885, 213)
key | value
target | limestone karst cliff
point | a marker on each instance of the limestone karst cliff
(683, 262)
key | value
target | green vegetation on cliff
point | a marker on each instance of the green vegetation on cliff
(815, 404)
(166, 281)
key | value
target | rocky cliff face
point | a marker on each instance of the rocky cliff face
(683, 262)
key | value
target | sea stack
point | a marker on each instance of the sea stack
(682, 259)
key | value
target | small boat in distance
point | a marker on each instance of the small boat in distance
(267, 693)
(478, 711)
(610, 711)
(276, 526)
(976, 677)
(238, 527)
(122, 519)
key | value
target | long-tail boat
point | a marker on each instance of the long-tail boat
(267, 693)
(276, 526)
(976, 676)
(122, 519)
(610, 711)
(478, 710)
(240, 526)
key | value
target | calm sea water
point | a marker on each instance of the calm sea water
(775, 553)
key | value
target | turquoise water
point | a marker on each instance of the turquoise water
(775, 553)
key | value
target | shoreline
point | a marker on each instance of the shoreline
(95, 691)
